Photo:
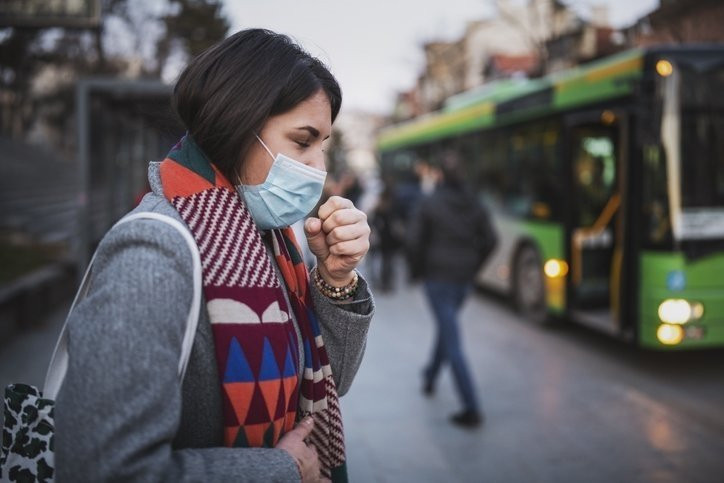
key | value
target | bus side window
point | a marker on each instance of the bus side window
(594, 167)
(533, 171)
(491, 176)
(655, 206)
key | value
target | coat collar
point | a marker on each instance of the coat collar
(154, 178)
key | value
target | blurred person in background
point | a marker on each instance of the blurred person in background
(350, 186)
(275, 346)
(428, 175)
(346, 185)
(449, 239)
(388, 231)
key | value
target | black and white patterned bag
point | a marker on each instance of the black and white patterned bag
(27, 453)
(27, 449)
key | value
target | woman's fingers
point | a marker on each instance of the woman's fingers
(348, 232)
(305, 455)
(346, 238)
(343, 217)
(334, 203)
(354, 249)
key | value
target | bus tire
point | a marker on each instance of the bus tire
(529, 295)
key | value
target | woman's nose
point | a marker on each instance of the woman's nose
(317, 161)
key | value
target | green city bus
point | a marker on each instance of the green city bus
(606, 186)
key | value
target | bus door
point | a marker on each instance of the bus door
(594, 232)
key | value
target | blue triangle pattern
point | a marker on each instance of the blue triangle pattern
(237, 367)
(269, 367)
(289, 366)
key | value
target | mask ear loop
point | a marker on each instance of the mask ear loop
(265, 146)
(267, 150)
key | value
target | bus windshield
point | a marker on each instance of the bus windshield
(702, 138)
(695, 148)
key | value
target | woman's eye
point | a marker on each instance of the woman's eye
(302, 144)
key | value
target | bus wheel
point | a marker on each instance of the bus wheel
(529, 286)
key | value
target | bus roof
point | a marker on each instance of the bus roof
(513, 99)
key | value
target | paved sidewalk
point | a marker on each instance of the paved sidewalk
(562, 405)
(393, 432)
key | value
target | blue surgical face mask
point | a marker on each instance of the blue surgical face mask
(289, 193)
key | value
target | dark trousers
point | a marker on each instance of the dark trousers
(446, 299)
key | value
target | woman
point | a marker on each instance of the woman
(272, 351)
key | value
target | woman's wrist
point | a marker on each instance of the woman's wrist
(336, 292)
(335, 281)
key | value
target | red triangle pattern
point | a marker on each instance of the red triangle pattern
(240, 397)
(271, 390)
(257, 410)
(255, 434)
(230, 435)
(281, 406)
(289, 421)
(290, 386)
(278, 426)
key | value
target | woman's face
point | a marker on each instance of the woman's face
(298, 134)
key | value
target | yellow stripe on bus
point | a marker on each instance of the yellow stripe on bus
(435, 122)
(600, 73)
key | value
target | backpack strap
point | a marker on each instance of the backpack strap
(59, 362)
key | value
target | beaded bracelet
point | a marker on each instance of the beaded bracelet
(336, 293)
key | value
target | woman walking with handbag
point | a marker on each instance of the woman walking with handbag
(275, 346)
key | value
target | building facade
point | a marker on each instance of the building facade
(509, 44)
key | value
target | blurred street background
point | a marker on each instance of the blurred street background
(590, 129)
(563, 404)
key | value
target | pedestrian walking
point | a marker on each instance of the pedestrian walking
(450, 238)
(275, 345)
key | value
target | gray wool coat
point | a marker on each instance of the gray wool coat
(122, 414)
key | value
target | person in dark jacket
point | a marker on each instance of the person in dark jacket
(388, 225)
(449, 240)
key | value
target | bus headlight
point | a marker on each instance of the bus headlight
(670, 334)
(664, 68)
(675, 311)
(555, 268)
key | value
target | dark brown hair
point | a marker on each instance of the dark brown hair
(227, 93)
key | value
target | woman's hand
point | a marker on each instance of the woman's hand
(305, 456)
(339, 238)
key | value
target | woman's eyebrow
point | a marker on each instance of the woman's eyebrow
(314, 132)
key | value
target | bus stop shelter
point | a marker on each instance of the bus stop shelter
(121, 126)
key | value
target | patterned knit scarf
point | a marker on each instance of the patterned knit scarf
(256, 344)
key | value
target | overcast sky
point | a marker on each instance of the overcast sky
(374, 46)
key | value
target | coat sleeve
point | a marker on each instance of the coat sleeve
(119, 407)
(344, 326)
